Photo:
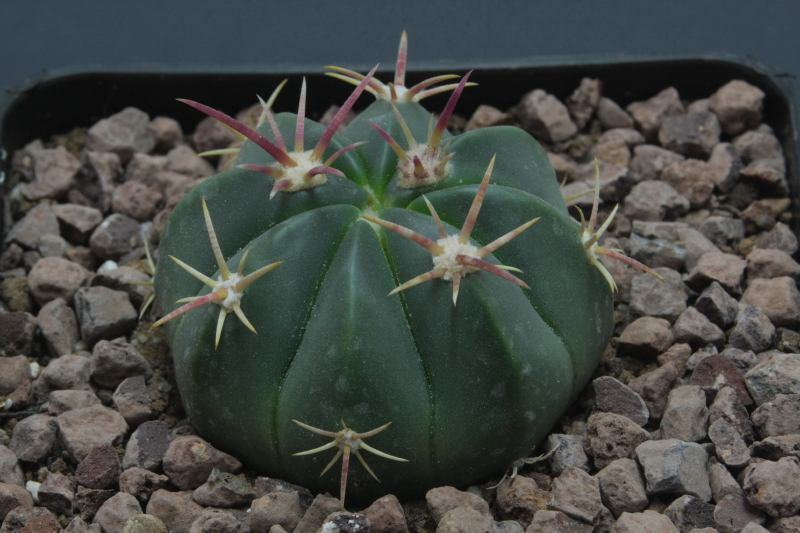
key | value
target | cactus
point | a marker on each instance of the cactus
(395, 302)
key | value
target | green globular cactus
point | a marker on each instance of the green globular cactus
(404, 283)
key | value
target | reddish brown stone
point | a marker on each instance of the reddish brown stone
(189, 460)
(519, 499)
(738, 106)
(545, 117)
(100, 469)
(726, 269)
(136, 200)
(612, 115)
(123, 133)
(649, 114)
(644, 338)
(55, 277)
(57, 493)
(485, 116)
(54, 174)
(13, 496)
(717, 371)
(610, 436)
(30, 520)
(778, 298)
(612, 396)
(654, 387)
(386, 516)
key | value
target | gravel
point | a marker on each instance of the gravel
(691, 421)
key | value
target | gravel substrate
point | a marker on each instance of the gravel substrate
(692, 421)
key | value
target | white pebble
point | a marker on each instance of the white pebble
(33, 488)
(107, 266)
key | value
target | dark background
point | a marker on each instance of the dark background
(68, 64)
(37, 35)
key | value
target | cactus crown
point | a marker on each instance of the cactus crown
(423, 164)
(397, 91)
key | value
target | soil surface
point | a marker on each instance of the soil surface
(690, 421)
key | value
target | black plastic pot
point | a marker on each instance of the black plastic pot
(62, 100)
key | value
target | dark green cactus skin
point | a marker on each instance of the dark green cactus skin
(468, 389)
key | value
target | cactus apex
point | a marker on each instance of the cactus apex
(397, 91)
(228, 289)
(347, 441)
(453, 255)
(427, 163)
(589, 238)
